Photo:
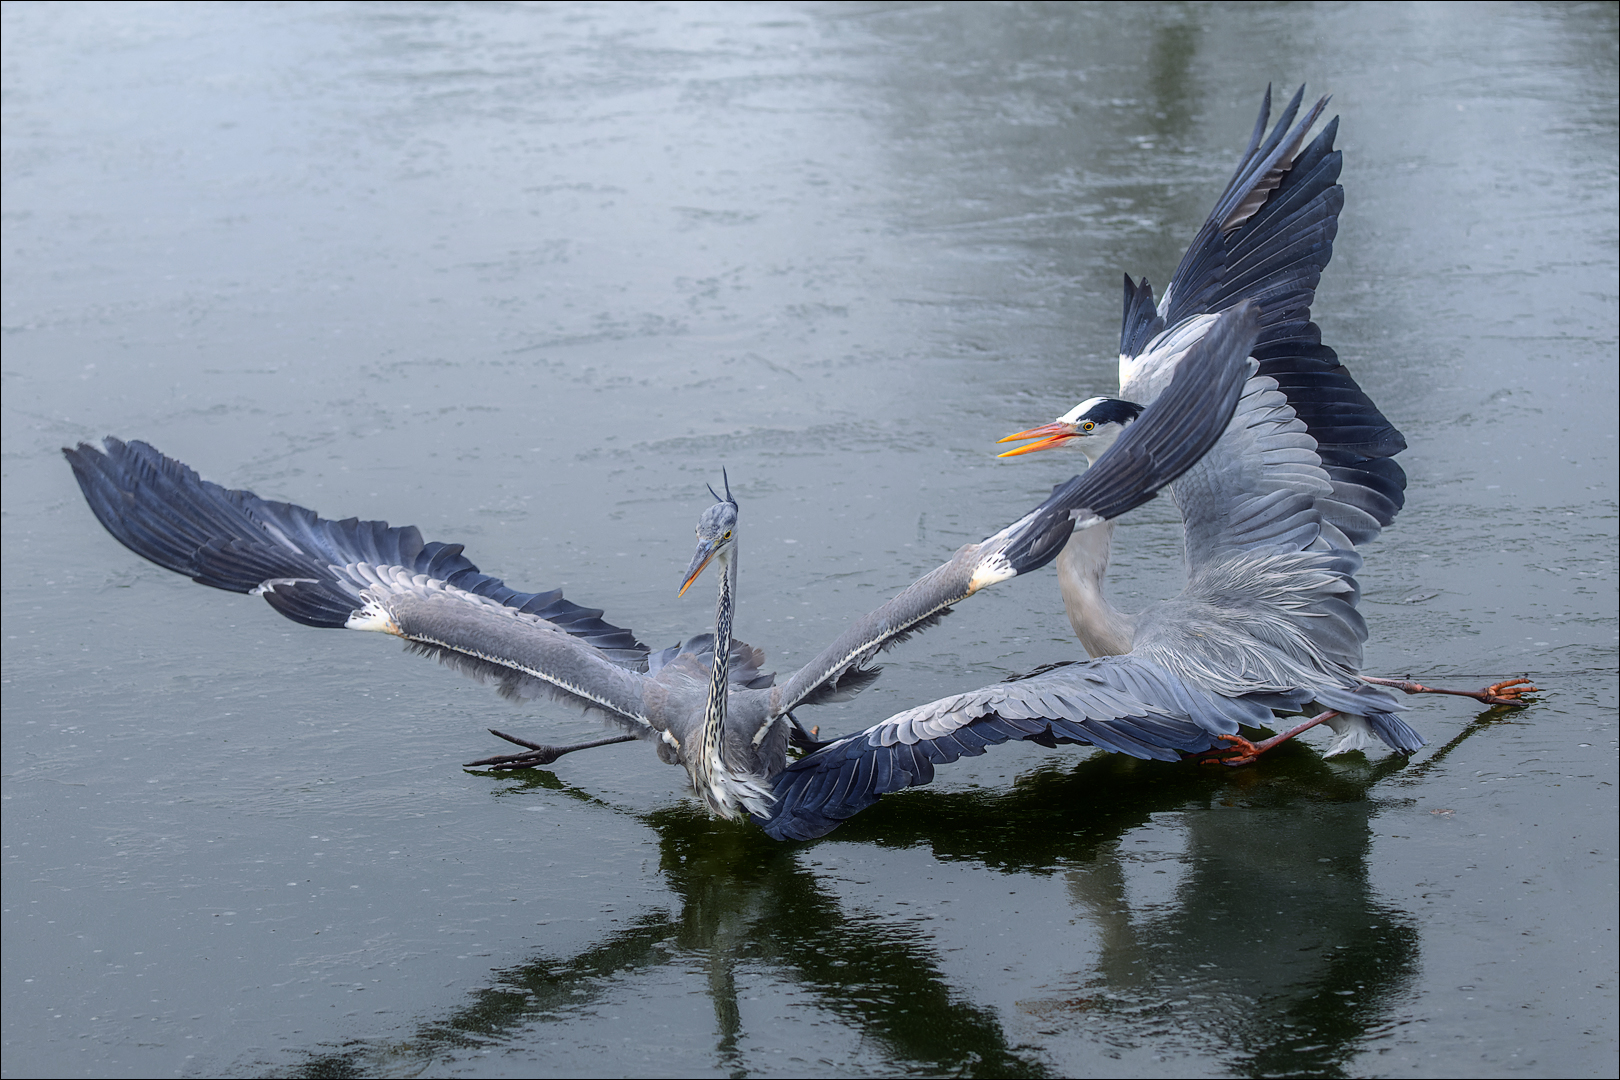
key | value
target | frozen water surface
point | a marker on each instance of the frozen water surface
(528, 277)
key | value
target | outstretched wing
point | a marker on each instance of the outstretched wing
(1127, 704)
(365, 575)
(1266, 242)
(526, 655)
(1164, 442)
(163, 511)
(1271, 231)
(1119, 703)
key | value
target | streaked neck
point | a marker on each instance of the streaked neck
(710, 759)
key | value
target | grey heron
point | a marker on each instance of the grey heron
(1267, 241)
(703, 704)
(1267, 621)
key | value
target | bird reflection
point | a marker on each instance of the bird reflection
(1270, 952)
(744, 900)
(1270, 944)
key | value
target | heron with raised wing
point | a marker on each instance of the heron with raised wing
(703, 704)
(1267, 622)
(1314, 444)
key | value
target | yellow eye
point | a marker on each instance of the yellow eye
(1087, 426)
(727, 536)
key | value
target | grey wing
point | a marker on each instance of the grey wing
(1261, 486)
(1271, 592)
(1271, 595)
(228, 539)
(1169, 438)
(1275, 621)
(743, 670)
(1279, 628)
(1120, 703)
(1267, 242)
(526, 655)
(1271, 231)
(1150, 703)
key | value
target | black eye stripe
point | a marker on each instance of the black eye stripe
(1112, 411)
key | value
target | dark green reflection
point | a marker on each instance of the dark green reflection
(1170, 66)
(746, 898)
(1273, 955)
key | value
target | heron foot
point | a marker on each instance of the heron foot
(1506, 692)
(1244, 752)
(1240, 752)
(539, 753)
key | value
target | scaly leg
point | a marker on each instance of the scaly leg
(1506, 692)
(1243, 752)
(540, 753)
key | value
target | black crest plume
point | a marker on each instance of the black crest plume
(727, 481)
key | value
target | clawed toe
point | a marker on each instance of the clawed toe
(539, 753)
(1508, 692)
(1243, 752)
(543, 756)
(1240, 752)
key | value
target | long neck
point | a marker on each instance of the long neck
(714, 711)
(1103, 629)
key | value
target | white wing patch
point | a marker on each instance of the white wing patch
(373, 616)
(989, 571)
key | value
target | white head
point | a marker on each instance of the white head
(1090, 427)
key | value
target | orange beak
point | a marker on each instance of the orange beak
(705, 552)
(1050, 435)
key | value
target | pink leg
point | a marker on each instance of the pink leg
(1507, 692)
(1244, 752)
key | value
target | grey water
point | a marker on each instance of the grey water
(529, 277)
